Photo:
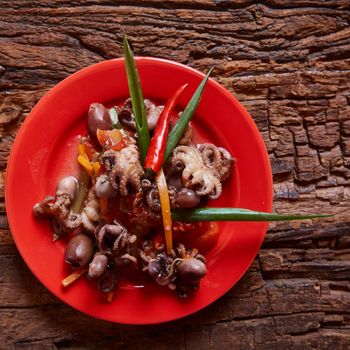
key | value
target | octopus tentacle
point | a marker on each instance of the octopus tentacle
(217, 190)
(227, 163)
(218, 159)
(90, 215)
(72, 221)
(123, 181)
(209, 183)
(187, 174)
(172, 197)
(211, 156)
(134, 179)
(58, 209)
(152, 198)
(127, 170)
(119, 244)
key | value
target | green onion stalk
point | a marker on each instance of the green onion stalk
(137, 101)
(236, 214)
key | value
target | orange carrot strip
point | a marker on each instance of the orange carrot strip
(165, 205)
(110, 296)
(73, 277)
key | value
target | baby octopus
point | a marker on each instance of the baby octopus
(114, 239)
(191, 269)
(196, 175)
(115, 252)
(181, 270)
(203, 168)
(126, 169)
(58, 208)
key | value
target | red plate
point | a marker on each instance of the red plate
(45, 151)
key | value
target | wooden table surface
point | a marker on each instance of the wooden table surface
(289, 64)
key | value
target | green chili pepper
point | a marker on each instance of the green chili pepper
(236, 214)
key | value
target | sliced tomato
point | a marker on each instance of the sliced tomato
(109, 138)
(120, 145)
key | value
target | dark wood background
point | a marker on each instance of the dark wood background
(289, 64)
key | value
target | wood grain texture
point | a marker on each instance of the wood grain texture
(289, 64)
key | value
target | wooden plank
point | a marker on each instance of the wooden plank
(289, 64)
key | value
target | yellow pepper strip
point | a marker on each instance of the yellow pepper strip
(165, 205)
(81, 150)
(73, 277)
(97, 167)
(86, 164)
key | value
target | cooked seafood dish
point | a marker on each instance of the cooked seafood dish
(116, 217)
(135, 209)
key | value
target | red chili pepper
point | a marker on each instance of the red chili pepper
(156, 150)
